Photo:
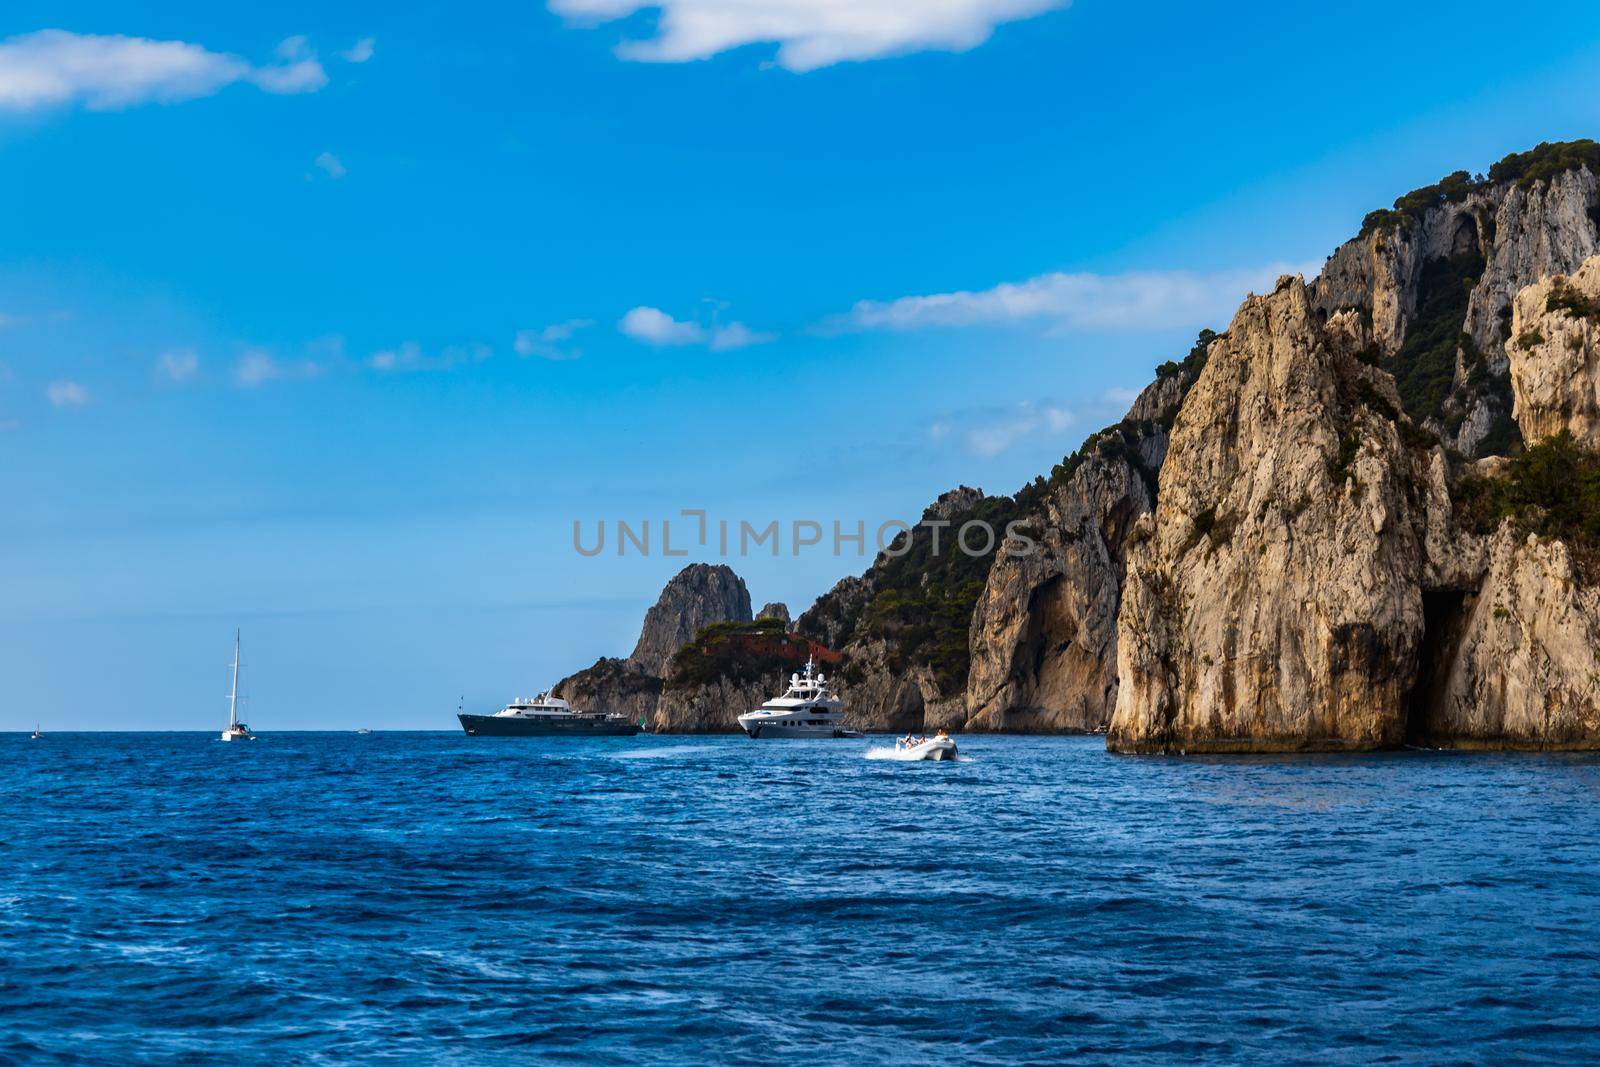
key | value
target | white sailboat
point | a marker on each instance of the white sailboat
(37, 736)
(236, 731)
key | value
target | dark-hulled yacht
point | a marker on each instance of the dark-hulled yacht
(546, 716)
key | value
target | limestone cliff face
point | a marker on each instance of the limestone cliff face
(1555, 356)
(698, 595)
(612, 686)
(1273, 598)
(1043, 637)
(710, 708)
(1497, 238)
(1520, 662)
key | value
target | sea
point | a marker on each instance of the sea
(434, 898)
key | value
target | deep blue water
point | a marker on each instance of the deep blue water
(433, 897)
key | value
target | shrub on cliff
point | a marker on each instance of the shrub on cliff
(1552, 489)
(1545, 161)
(737, 652)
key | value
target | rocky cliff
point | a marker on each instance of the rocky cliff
(1273, 597)
(698, 595)
(1435, 277)
(1318, 572)
(1555, 364)
(1043, 633)
(903, 626)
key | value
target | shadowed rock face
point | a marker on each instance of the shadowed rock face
(1555, 356)
(1273, 598)
(774, 611)
(698, 595)
(1043, 635)
(1519, 658)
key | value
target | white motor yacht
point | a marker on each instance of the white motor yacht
(806, 709)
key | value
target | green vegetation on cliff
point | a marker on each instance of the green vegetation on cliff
(737, 652)
(1552, 489)
(1524, 168)
(1425, 366)
(1545, 161)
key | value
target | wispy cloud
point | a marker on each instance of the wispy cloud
(737, 335)
(410, 356)
(66, 393)
(551, 342)
(105, 72)
(178, 366)
(991, 431)
(652, 326)
(330, 165)
(258, 367)
(809, 33)
(359, 52)
(987, 431)
(1136, 300)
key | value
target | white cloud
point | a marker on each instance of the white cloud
(258, 367)
(809, 33)
(1137, 300)
(105, 72)
(330, 165)
(359, 52)
(66, 393)
(178, 366)
(655, 327)
(551, 341)
(737, 335)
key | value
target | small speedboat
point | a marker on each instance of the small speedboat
(942, 747)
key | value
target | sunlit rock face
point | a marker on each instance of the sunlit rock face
(1273, 599)
(1554, 356)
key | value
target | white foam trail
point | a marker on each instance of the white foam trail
(663, 753)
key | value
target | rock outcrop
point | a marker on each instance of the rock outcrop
(1043, 637)
(712, 707)
(1519, 663)
(1555, 356)
(696, 596)
(903, 626)
(1436, 277)
(614, 687)
(775, 610)
(1273, 599)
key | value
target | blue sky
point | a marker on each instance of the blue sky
(329, 324)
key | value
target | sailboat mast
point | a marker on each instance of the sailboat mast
(233, 697)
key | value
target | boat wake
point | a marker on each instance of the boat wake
(663, 753)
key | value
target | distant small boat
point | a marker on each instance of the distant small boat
(364, 731)
(37, 736)
(236, 731)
